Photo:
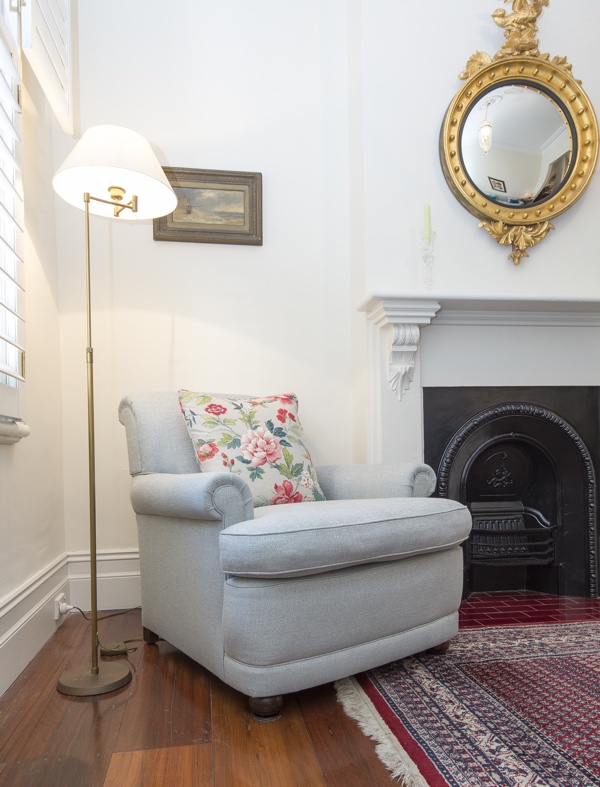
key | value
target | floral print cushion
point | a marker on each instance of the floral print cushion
(259, 439)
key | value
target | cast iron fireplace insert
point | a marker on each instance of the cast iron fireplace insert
(523, 460)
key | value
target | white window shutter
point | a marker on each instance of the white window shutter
(46, 43)
(11, 235)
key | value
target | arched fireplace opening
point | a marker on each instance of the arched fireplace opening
(528, 478)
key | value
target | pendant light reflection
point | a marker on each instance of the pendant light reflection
(485, 132)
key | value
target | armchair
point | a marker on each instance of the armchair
(279, 598)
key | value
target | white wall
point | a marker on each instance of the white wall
(257, 86)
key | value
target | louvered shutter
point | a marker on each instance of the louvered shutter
(11, 230)
(46, 43)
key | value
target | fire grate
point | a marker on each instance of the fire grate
(507, 533)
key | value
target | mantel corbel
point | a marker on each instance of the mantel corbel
(406, 318)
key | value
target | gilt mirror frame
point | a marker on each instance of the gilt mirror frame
(519, 62)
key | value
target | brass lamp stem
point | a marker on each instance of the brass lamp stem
(95, 678)
(89, 353)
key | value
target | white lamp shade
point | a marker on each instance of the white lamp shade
(108, 156)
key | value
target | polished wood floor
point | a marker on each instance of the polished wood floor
(174, 725)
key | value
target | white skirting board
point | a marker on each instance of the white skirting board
(118, 579)
(27, 614)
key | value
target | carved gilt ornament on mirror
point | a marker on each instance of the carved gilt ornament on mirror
(519, 142)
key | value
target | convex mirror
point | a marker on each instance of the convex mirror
(519, 142)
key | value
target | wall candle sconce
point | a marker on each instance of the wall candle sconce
(427, 224)
(427, 236)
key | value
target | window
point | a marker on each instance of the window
(11, 228)
(46, 43)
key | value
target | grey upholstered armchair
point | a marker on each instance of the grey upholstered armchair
(283, 597)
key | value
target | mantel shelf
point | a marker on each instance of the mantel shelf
(386, 308)
(408, 313)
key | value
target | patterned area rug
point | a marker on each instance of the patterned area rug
(505, 706)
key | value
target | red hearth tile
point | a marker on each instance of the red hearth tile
(579, 615)
(503, 616)
(525, 607)
(541, 618)
(486, 609)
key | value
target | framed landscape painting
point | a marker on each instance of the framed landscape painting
(213, 207)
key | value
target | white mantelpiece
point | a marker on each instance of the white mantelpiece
(396, 327)
(407, 313)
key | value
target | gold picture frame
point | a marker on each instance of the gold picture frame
(213, 207)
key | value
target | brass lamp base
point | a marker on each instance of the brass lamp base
(80, 682)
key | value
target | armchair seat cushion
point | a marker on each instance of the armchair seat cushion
(314, 537)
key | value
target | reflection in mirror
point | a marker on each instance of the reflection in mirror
(529, 145)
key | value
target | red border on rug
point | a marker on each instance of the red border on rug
(426, 768)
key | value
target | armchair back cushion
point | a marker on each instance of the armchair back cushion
(157, 437)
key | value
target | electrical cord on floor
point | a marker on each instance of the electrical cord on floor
(64, 608)
(112, 648)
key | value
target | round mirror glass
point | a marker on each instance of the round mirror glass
(517, 145)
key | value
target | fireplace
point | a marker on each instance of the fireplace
(503, 388)
(523, 460)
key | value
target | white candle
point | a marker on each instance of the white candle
(427, 225)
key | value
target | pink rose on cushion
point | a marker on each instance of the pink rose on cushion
(216, 409)
(259, 446)
(206, 451)
(284, 494)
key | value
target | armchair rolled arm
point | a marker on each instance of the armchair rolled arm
(351, 482)
(208, 496)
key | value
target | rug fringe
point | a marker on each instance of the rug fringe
(359, 707)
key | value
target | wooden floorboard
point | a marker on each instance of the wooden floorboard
(32, 697)
(173, 724)
(171, 702)
(179, 765)
(266, 753)
(331, 732)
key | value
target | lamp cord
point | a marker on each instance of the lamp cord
(106, 649)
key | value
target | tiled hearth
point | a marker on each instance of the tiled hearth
(521, 607)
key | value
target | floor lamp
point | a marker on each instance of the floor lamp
(108, 165)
